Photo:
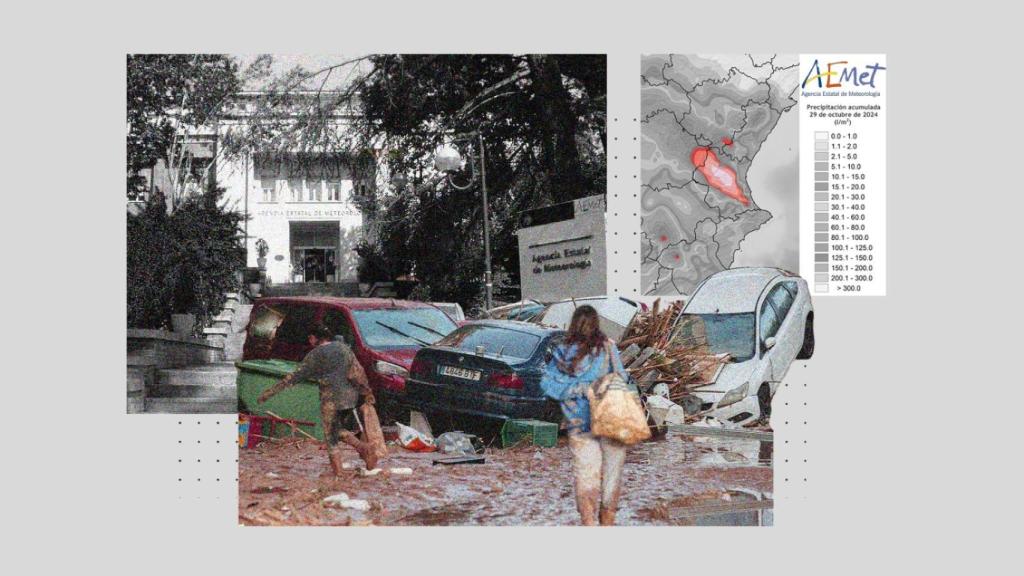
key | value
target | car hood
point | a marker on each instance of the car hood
(732, 375)
(401, 356)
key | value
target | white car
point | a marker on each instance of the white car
(452, 309)
(761, 317)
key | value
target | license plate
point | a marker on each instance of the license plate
(464, 373)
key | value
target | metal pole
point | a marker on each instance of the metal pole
(487, 226)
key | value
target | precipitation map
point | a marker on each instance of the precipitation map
(719, 167)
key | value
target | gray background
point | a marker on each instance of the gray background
(912, 399)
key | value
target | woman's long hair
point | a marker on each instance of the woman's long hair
(585, 332)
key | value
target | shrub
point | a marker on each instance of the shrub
(182, 262)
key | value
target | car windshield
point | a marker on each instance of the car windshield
(731, 334)
(402, 327)
(494, 340)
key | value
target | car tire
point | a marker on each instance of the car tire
(807, 350)
(764, 401)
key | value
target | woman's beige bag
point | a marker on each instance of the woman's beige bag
(615, 410)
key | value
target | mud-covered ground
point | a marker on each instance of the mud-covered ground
(285, 482)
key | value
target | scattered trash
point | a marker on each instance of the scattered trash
(372, 433)
(418, 421)
(708, 421)
(268, 490)
(272, 475)
(660, 389)
(664, 411)
(365, 472)
(341, 500)
(412, 439)
(535, 432)
(400, 471)
(458, 443)
(451, 460)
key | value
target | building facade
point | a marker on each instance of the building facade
(305, 206)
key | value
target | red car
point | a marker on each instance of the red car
(385, 334)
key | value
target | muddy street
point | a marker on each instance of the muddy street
(286, 481)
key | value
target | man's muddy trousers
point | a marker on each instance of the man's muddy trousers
(336, 424)
(597, 467)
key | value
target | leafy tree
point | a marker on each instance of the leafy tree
(184, 261)
(543, 124)
(168, 95)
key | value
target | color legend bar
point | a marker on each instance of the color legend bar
(821, 213)
(842, 174)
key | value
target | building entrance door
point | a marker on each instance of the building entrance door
(317, 264)
(314, 248)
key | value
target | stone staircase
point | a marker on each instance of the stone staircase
(201, 389)
(207, 388)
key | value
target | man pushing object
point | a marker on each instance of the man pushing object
(335, 367)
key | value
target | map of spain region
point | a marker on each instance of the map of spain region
(706, 121)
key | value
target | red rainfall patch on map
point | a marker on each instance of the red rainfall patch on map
(719, 176)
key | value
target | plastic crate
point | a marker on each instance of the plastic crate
(535, 432)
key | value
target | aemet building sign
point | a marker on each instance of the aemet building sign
(562, 250)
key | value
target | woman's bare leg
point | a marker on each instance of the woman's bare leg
(613, 457)
(586, 466)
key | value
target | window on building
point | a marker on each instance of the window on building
(333, 192)
(269, 187)
(295, 186)
(316, 190)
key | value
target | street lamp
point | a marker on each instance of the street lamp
(447, 159)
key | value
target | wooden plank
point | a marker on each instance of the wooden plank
(691, 430)
(721, 508)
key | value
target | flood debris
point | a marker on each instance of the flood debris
(459, 444)
(418, 421)
(452, 460)
(341, 500)
(414, 440)
(669, 364)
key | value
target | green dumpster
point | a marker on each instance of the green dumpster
(300, 402)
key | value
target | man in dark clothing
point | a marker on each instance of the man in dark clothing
(336, 368)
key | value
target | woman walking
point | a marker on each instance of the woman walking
(584, 356)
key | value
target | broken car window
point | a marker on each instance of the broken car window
(731, 334)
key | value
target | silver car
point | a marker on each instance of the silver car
(762, 318)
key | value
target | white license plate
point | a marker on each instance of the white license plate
(464, 373)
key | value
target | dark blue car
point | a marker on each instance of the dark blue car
(489, 368)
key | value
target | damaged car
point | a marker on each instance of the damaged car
(383, 333)
(485, 368)
(761, 320)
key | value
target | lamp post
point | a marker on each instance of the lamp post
(447, 159)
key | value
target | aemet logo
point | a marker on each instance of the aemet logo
(838, 72)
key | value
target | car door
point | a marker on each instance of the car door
(291, 340)
(339, 324)
(776, 321)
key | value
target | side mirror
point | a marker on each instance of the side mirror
(769, 343)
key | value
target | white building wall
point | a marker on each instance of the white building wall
(270, 219)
